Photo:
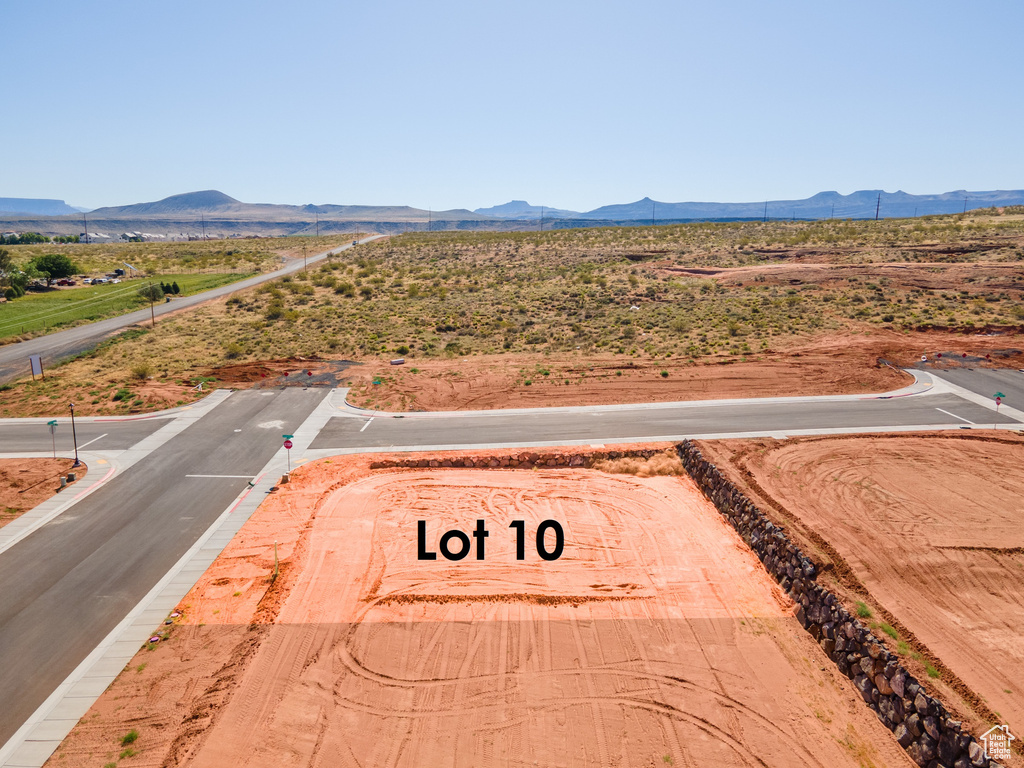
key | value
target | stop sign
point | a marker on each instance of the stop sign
(288, 444)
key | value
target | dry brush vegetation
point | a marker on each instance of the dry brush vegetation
(697, 293)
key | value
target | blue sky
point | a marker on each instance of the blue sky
(469, 104)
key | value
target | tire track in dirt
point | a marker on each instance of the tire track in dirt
(913, 517)
(627, 649)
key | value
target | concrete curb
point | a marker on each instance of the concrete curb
(46, 728)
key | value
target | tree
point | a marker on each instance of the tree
(54, 266)
(13, 281)
(175, 288)
(151, 292)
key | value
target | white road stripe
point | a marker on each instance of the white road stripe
(93, 440)
(367, 424)
(955, 416)
(241, 476)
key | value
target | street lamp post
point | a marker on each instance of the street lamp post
(74, 435)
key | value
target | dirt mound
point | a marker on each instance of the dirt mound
(292, 371)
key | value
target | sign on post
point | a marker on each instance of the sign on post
(52, 424)
(999, 399)
(288, 447)
(36, 362)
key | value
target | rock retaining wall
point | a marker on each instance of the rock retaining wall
(525, 460)
(920, 723)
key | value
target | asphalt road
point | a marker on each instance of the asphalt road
(94, 435)
(986, 382)
(650, 422)
(63, 344)
(69, 583)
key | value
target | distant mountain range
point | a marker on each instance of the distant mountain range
(220, 215)
(35, 207)
(218, 204)
(520, 209)
(824, 205)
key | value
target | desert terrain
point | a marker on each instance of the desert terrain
(925, 532)
(25, 483)
(572, 317)
(656, 638)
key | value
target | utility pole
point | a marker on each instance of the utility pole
(204, 226)
(765, 211)
(965, 206)
(85, 221)
(317, 225)
(152, 312)
(878, 205)
(304, 256)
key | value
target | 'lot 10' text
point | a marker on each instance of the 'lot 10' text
(455, 544)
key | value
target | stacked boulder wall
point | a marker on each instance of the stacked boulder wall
(523, 460)
(919, 721)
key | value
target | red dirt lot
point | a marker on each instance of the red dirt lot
(656, 638)
(826, 364)
(25, 483)
(931, 526)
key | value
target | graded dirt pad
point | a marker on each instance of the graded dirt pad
(829, 366)
(24, 483)
(931, 525)
(825, 364)
(656, 638)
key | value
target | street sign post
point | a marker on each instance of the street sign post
(999, 399)
(53, 435)
(288, 448)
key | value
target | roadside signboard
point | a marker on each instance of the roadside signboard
(36, 362)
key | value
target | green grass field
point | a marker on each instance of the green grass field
(40, 312)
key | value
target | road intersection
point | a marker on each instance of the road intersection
(87, 578)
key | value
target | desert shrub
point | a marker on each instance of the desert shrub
(233, 350)
(666, 463)
(142, 371)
